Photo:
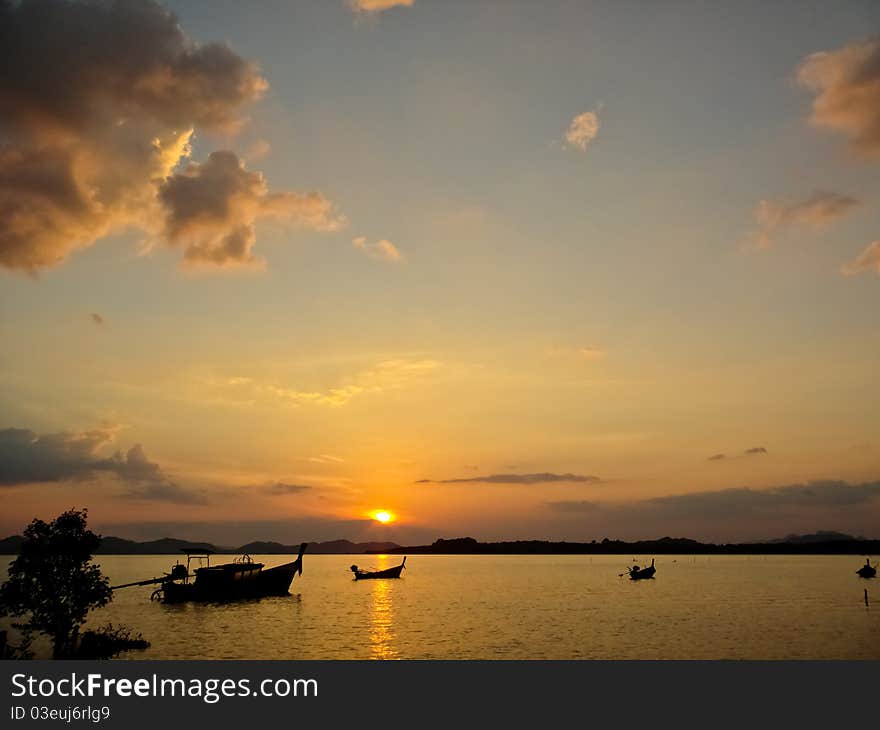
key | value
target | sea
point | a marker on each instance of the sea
(518, 607)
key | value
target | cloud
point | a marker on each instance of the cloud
(815, 212)
(384, 376)
(257, 150)
(582, 130)
(98, 104)
(755, 451)
(737, 502)
(327, 459)
(576, 506)
(847, 87)
(868, 260)
(541, 478)
(163, 492)
(280, 489)
(97, 318)
(211, 209)
(27, 457)
(587, 354)
(382, 249)
(377, 6)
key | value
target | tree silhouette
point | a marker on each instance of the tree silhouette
(53, 583)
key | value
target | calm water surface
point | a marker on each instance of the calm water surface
(520, 607)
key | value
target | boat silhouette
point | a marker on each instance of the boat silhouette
(867, 570)
(242, 578)
(637, 573)
(372, 574)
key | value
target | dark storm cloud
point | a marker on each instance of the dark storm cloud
(540, 478)
(742, 501)
(812, 504)
(27, 458)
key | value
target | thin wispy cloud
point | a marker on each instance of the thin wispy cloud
(754, 451)
(97, 318)
(582, 130)
(385, 376)
(813, 213)
(327, 459)
(846, 82)
(581, 354)
(382, 249)
(281, 489)
(539, 478)
(372, 7)
(868, 260)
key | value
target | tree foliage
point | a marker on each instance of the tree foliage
(53, 584)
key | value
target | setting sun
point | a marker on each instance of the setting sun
(383, 516)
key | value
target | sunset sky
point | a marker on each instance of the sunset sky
(503, 268)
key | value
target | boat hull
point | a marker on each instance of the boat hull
(233, 581)
(642, 573)
(378, 574)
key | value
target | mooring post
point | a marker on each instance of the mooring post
(866, 596)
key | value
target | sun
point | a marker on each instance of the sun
(383, 516)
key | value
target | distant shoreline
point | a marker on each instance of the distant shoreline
(817, 544)
(844, 545)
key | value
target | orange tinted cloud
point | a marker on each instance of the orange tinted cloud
(868, 260)
(583, 129)
(815, 212)
(211, 209)
(382, 249)
(99, 103)
(847, 86)
(377, 6)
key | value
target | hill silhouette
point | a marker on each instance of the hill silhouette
(838, 544)
(172, 546)
(819, 543)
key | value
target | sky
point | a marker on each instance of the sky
(505, 269)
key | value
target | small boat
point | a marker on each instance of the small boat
(867, 570)
(370, 574)
(242, 578)
(637, 573)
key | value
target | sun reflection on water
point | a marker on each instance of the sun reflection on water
(382, 618)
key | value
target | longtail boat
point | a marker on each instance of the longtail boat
(371, 574)
(637, 573)
(867, 570)
(242, 578)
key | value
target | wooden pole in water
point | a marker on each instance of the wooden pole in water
(866, 596)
